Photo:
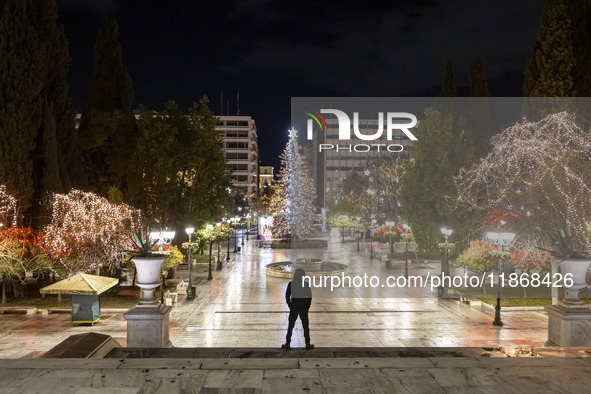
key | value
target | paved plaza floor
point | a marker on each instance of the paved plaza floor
(243, 307)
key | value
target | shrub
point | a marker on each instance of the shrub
(481, 256)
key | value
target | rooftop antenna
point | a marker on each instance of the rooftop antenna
(222, 103)
(228, 107)
(238, 102)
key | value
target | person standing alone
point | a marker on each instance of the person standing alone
(298, 296)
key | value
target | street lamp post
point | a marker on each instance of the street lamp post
(390, 224)
(501, 239)
(242, 233)
(234, 221)
(228, 251)
(242, 238)
(255, 214)
(247, 225)
(445, 262)
(190, 293)
(219, 267)
(358, 235)
(370, 244)
(209, 229)
(406, 236)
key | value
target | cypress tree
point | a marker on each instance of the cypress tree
(478, 80)
(69, 157)
(552, 61)
(549, 72)
(448, 85)
(107, 125)
(580, 14)
(36, 111)
(448, 89)
(48, 159)
(478, 116)
(20, 107)
(531, 74)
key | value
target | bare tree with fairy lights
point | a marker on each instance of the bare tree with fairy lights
(88, 232)
(542, 169)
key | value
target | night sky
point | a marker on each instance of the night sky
(273, 50)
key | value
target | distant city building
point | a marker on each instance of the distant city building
(332, 165)
(265, 176)
(239, 144)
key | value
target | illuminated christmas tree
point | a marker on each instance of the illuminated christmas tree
(292, 205)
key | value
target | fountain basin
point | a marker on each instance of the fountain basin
(308, 264)
(285, 269)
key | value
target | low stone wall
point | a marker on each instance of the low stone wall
(288, 244)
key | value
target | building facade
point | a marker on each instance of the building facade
(239, 144)
(330, 166)
(265, 176)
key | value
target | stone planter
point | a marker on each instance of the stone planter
(148, 278)
(171, 274)
(383, 247)
(578, 270)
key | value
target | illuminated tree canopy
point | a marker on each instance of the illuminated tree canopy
(87, 232)
(540, 168)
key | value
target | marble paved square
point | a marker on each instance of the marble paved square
(243, 307)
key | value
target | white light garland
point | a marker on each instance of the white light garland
(544, 168)
(7, 207)
(87, 231)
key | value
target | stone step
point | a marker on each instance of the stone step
(349, 352)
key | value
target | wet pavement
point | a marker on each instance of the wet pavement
(243, 307)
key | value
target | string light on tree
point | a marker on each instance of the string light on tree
(292, 206)
(543, 169)
(87, 231)
(7, 207)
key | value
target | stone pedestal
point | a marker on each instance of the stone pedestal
(569, 326)
(148, 326)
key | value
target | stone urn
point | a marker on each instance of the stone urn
(148, 277)
(576, 270)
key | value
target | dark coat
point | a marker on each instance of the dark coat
(300, 303)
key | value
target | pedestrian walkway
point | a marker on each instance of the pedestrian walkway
(242, 307)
